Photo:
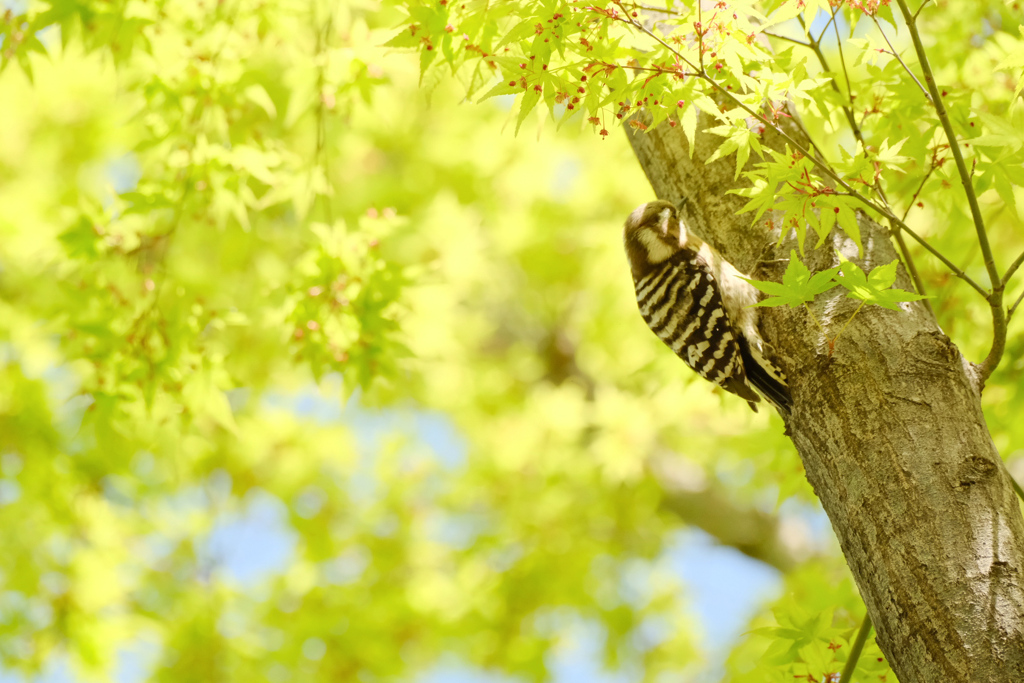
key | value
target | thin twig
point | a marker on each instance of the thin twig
(908, 259)
(662, 10)
(945, 261)
(847, 110)
(894, 53)
(912, 269)
(917, 192)
(781, 37)
(944, 290)
(954, 146)
(700, 35)
(807, 134)
(815, 319)
(1016, 487)
(919, 9)
(1012, 269)
(848, 321)
(823, 167)
(842, 60)
(914, 275)
(995, 298)
(1013, 308)
(655, 69)
(855, 650)
(824, 30)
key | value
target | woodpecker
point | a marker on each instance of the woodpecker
(696, 303)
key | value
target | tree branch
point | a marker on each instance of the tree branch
(846, 75)
(815, 47)
(894, 53)
(1013, 308)
(1012, 269)
(917, 192)
(855, 649)
(800, 18)
(821, 165)
(685, 489)
(706, 506)
(787, 38)
(912, 268)
(995, 297)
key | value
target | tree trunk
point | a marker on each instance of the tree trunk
(892, 437)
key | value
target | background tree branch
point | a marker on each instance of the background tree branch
(688, 492)
(706, 505)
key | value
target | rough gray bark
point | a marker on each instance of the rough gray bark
(892, 437)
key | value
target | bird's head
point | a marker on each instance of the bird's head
(653, 234)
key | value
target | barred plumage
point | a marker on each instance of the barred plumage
(696, 304)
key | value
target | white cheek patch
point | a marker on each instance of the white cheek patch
(657, 250)
(666, 216)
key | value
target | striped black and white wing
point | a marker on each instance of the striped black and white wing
(681, 303)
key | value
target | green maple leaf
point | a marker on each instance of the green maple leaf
(890, 156)
(874, 287)
(798, 285)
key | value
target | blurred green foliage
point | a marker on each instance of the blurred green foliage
(218, 214)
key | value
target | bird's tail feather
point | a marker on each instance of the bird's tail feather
(765, 377)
